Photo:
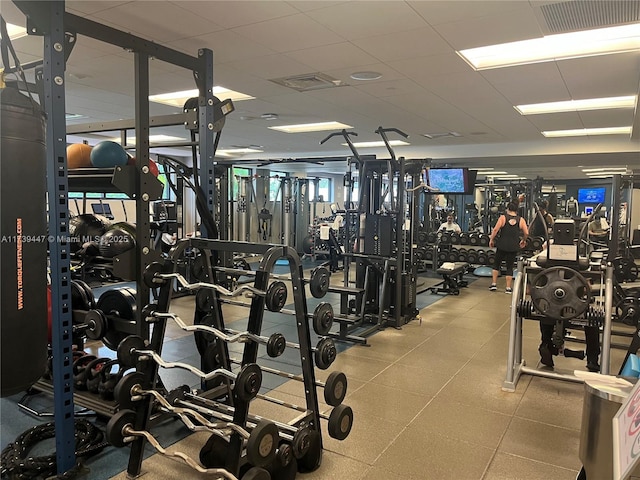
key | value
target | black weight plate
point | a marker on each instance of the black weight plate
(422, 238)
(126, 357)
(149, 275)
(340, 422)
(248, 382)
(455, 238)
(96, 324)
(276, 345)
(432, 237)
(310, 461)
(464, 238)
(214, 452)
(301, 442)
(325, 353)
(257, 473)
(262, 444)
(122, 392)
(319, 282)
(79, 300)
(276, 296)
(204, 299)
(119, 302)
(323, 318)
(335, 388)
(116, 424)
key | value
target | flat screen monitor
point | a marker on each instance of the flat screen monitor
(591, 195)
(102, 209)
(448, 180)
(588, 211)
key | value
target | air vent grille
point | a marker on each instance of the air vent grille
(584, 15)
(309, 81)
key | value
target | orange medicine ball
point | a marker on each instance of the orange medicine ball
(78, 156)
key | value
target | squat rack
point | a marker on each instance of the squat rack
(60, 29)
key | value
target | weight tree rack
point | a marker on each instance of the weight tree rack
(49, 19)
(162, 276)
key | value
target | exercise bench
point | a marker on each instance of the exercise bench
(452, 281)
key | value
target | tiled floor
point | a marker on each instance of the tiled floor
(428, 402)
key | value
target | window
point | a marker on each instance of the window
(275, 183)
(324, 190)
(235, 187)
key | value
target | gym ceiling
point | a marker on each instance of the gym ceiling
(425, 87)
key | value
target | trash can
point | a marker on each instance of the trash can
(601, 403)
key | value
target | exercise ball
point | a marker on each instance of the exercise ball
(153, 166)
(115, 242)
(86, 228)
(108, 154)
(78, 156)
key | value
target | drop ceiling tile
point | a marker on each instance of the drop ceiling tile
(272, 66)
(373, 18)
(288, 34)
(390, 88)
(227, 46)
(395, 46)
(607, 118)
(439, 12)
(88, 7)
(509, 26)
(155, 20)
(331, 57)
(422, 69)
(230, 14)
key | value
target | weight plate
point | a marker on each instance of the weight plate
(204, 299)
(116, 425)
(214, 452)
(310, 461)
(262, 443)
(319, 282)
(248, 382)
(301, 442)
(276, 345)
(257, 473)
(335, 388)
(276, 296)
(79, 300)
(149, 275)
(323, 318)
(340, 422)
(125, 349)
(325, 353)
(122, 392)
(560, 293)
(121, 303)
(96, 324)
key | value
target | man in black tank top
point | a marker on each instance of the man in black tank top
(507, 239)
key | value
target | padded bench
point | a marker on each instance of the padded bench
(452, 281)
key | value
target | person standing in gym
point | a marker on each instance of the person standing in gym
(505, 236)
(450, 225)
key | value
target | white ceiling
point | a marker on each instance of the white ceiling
(425, 86)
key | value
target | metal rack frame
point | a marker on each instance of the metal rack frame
(48, 18)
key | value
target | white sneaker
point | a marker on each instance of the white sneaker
(493, 287)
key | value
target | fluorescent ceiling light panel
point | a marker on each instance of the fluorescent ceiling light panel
(562, 46)
(628, 101)
(608, 169)
(492, 173)
(379, 143)
(583, 132)
(16, 31)
(595, 174)
(152, 138)
(311, 127)
(231, 151)
(178, 99)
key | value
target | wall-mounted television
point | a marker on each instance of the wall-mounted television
(452, 180)
(591, 195)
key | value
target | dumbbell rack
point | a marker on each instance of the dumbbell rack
(270, 253)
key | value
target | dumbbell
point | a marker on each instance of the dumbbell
(472, 256)
(120, 431)
(275, 343)
(247, 382)
(432, 237)
(474, 239)
(94, 325)
(443, 255)
(464, 238)
(419, 253)
(536, 242)
(182, 396)
(453, 255)
(455, 238)
(462, 255)
(491, 258)
(445, 238)
(423, 238)
(482, 257)
(340, 419)
(324, 352)
(484, 240)
(335, 388)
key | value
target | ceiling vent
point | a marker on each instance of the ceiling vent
(584, 15)
(434, 136)
(309, 81)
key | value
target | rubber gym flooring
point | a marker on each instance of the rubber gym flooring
(427, 399)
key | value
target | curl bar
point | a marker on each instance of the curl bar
(276, 342)
(131, 391)
(120, 431)
(247, 382)
(155, 279)
(325, 351)
(335, 388)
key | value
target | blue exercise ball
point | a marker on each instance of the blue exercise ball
(108, 154)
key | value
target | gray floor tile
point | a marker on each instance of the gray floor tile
(511, 467)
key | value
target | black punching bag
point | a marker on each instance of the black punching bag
(23, 249)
